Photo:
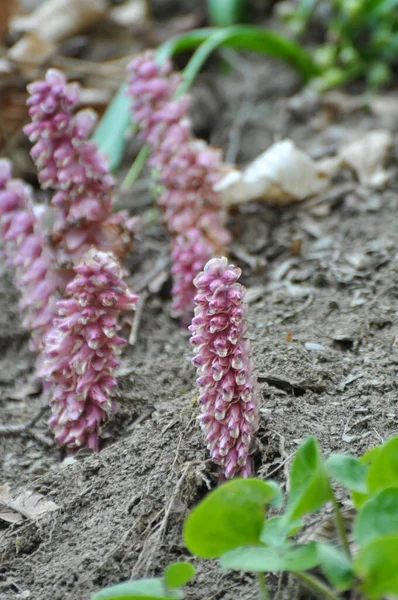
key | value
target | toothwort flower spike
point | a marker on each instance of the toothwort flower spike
(189, 252)
(187, 170)
(72, 166)
(228, 389)
(82, 349)
(26, 253)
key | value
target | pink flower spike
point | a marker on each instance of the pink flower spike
(72, 166)
(27, 255)
(190, 251)
(82, 349)
(228, 389)
(187, 170)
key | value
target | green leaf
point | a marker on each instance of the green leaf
(277, 529)
(376, 564)
(378, 74)
(381, 8)
(178, 574)
(309, 483)
(377, 518)
(383, 472)
(358, 499)
(243, 37)
(261, 559)
(229, 517)
(348, 471)
(366, 459)
(151, 589)
(299, 19)
(370, 456)
(336, 566)
(277, 501)
(227, 12)
(110, 134)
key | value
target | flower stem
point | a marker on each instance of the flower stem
(338, 517)
(262, 586)
(316, 585)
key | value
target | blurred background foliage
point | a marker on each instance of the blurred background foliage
(349, 39)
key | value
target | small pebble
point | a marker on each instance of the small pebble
(312, 346)
(69, 460)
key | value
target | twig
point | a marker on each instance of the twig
(143, 417)
(255, 262)
(222, 590)
(41, 438)
(164, 523)
(303, 307)
(22, 427)
(377, 296)
(4, 585)
(155, 539)
(276, 469)
(145, 282)
(137, 317)
(145, 289)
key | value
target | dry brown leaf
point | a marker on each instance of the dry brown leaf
(131, 13)
(366, 155)
(30, 48)
(57, 20)
(338, 102)
(5, 67)
(95, 97)
(26, 504)
(7, 9)
(386, 109)
(13, 115)
(282, 174)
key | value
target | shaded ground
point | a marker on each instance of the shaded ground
(123, 509)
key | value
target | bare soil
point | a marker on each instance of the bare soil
(121, 511)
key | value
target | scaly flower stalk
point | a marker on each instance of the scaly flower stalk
(229, 397)
(73, 167)
(186, 168)
(82, 350)
(27, 255)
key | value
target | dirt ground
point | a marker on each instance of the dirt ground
(324, 331)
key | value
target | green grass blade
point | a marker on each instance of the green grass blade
(110, 134)
(228, 12)
(199, 58)
(244, 37)
(136, 168)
